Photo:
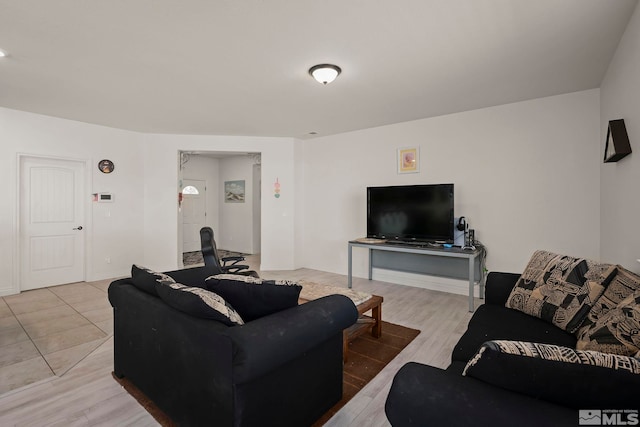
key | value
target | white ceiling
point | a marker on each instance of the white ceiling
(228, 67)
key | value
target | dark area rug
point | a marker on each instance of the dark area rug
(367, 356)
(157, 413)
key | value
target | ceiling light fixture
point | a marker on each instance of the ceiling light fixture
(325, 73)
(2, 54)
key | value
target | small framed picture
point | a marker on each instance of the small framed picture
(409, 160)
(234, 191)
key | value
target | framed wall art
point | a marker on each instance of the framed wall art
(409, 160)
(234, 191)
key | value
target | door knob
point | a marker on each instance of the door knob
(78, 228)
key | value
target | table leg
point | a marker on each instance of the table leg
(349, 278)
(345, 346)
(481, 292)
(370, 263)
(376, 313)
(471, 283)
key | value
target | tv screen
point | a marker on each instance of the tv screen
(411, 212)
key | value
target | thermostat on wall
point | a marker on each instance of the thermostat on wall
(102, 197)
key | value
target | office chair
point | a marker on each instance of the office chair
(226, 264)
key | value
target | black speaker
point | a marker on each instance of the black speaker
(462, 224)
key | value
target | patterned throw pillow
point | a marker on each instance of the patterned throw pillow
(623, 284)
(560, 289)
(616, 330)
(249, 279)
(573, 378)
(145, 279)
(197, 302)
(557, 353)
(254, 297)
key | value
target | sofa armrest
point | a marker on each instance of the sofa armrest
(262, 345)
(499, 286)
(573, 378)
(423, 395)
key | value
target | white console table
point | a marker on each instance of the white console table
(470, 254)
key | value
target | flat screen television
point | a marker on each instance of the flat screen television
(411, 213)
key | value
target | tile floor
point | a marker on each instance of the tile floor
(45, 332)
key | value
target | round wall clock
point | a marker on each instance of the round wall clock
(106, 166)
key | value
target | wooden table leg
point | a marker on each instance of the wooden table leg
(364, 323)
(376, 313)
(345, 345)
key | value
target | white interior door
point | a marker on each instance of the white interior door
(51, 222)
(193, 213)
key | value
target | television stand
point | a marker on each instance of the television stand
(465, 270)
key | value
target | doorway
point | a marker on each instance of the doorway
(51, 231)
(194, 213)
(235, 222)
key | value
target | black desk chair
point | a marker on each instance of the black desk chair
(226, 264)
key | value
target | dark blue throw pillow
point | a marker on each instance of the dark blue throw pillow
(194, 276)
(197, 302)
(145, 279)
(254, 297)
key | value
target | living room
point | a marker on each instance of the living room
(482, 151)
(528, 174)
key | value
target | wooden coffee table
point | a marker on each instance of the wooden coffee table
(364, 323)
(373, 303)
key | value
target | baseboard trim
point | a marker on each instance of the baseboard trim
(434, 283)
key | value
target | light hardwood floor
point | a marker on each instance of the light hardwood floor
(87, 395)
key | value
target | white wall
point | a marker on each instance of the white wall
(526, 177)
(257, 205)
(620, 99)
(299, 160)
(117, 236)
(161, 185)
(236, 219)
(141, 226)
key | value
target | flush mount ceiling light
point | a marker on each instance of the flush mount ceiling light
(2, 54)
(325, 73)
